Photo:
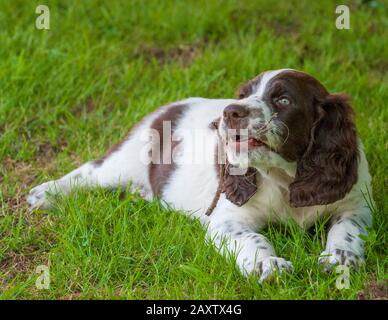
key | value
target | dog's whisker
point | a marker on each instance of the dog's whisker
(288, 131)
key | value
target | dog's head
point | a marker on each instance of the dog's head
(292, 114)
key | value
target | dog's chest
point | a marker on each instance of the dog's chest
(271, 202)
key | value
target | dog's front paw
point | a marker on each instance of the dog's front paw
(38, 197)
(269, 266)
(329, 259)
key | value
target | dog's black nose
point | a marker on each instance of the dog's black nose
(235, 111)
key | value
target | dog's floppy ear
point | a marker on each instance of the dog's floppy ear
(239, 188)
(328, 169)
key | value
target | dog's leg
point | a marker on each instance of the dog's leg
(120, 168)
(344, 245)
(233, 232)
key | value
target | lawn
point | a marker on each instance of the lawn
(68, 93)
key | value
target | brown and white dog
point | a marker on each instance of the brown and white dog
(294, 151)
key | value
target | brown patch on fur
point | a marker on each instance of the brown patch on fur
(329, 168)
(159, 173)
(240, 188)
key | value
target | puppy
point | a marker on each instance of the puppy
(284, 149)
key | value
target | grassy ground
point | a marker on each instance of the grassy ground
(68, 93)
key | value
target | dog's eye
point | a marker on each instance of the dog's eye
(283, 101)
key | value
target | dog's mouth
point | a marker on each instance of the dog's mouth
(240, 142)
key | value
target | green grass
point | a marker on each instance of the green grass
(68, 93)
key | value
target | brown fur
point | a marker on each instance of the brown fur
(328, 169)
(240, 188)
(159, 173)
